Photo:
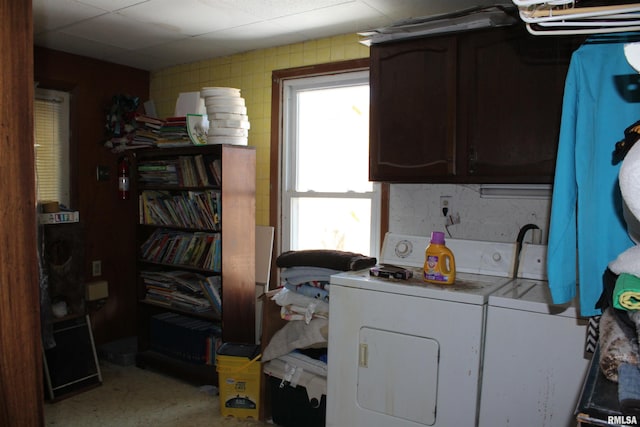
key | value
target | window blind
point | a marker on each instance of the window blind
(51, 121)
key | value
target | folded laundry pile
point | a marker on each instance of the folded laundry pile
(295, 359)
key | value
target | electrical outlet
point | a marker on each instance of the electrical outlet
(445, 205)
(102, 173)
(96, 268)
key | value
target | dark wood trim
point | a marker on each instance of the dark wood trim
(278, 77)
(21, 379)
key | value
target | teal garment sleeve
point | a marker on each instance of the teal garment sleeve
(587, 228)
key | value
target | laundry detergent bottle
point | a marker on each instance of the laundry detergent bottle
(439, 263)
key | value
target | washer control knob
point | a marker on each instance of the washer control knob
(403, 248)
(496, 256)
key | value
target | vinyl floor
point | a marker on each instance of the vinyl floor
(134, 397)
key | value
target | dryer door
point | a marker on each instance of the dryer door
(398, 375)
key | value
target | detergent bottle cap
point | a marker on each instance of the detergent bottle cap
(437, 237)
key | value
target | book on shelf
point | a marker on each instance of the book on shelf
(159, 172)
(146, 120)
(179, 289)
(186, 171)
(184, 338)
(195, 249)
(216, 169)
(212, 288)
(191, 209)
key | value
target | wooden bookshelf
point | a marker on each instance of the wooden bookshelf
(196, 215)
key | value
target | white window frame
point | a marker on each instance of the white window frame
(288, 155)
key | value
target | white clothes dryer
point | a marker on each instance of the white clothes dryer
(405, 353)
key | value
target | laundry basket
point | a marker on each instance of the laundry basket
(239, 373)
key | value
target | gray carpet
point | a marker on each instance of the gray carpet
(133, 397)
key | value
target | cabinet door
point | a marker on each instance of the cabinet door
(413, 110)
(510, 100)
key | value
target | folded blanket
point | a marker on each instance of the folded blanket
(297, 275)
(626, 293)
(617, 345)
(325, 258)
(309, 291)
(293, 302)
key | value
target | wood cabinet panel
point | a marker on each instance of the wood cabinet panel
(474, 107)
(511, 86)
(412, 105)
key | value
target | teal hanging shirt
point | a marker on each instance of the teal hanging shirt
(587, 229)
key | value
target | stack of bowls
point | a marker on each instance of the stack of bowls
(228, 120)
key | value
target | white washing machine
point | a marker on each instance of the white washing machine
(534, 363)
(404, 353)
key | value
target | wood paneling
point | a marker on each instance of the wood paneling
(109, 231)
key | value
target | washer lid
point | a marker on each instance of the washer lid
(531, 295)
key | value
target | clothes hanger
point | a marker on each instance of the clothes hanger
(549, 14)
(566, 17)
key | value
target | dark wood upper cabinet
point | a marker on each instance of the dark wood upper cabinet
(413, 103)
(474, 107)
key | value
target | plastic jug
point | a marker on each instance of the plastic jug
(439, 263)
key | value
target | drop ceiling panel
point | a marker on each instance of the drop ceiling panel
(117, 30)
(189, 17)
(48, 15)
(259, 35)
(339, 19)
(152, 33)
(111, 5)
(421, 8)
(269, 9)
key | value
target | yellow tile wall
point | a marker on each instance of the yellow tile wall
(251, 73)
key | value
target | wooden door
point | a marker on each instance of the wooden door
(21, 386)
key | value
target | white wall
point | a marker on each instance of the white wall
(415, 210)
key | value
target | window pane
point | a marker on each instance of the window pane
(331, 223)
(333, 140)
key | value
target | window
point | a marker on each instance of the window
(327, 200)
(51, 133)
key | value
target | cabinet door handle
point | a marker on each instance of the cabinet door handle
(473, 157)
(363, 356)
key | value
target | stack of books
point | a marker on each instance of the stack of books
(155, 132)
(192, 209)
(173, 133)
(183, 338)
(184, 171)
(200, 250)
(185, 290)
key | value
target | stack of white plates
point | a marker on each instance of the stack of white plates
(228, 120)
